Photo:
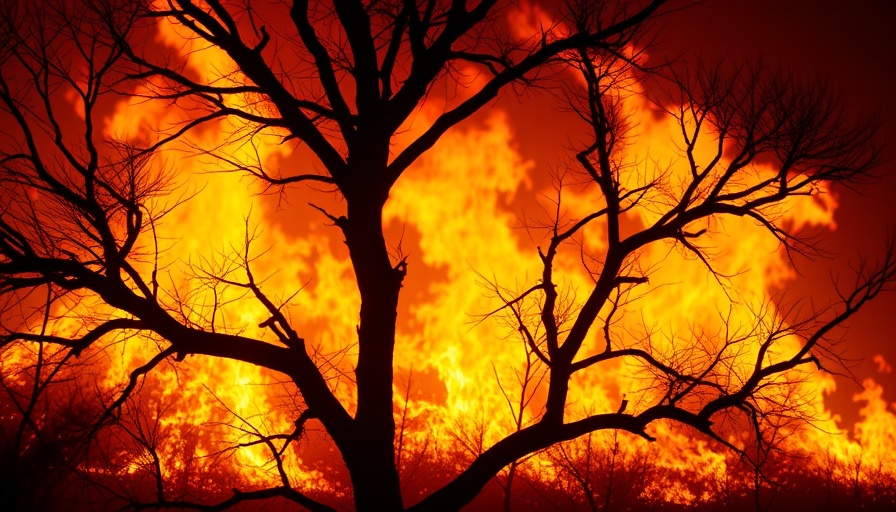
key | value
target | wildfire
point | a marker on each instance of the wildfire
(464, 377)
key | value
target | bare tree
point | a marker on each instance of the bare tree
(78, 210)
(608, 474)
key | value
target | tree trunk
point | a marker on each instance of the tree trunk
(508, 490)
(370, 457)
(373, 475)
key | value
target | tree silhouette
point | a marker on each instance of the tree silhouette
(79, 207)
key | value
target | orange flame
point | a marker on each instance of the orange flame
(458, 374)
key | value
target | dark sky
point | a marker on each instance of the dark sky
(853, 45)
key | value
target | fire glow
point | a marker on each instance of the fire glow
(471, 216)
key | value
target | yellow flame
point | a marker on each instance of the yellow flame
(454, 203)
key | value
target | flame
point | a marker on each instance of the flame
(458, 371)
